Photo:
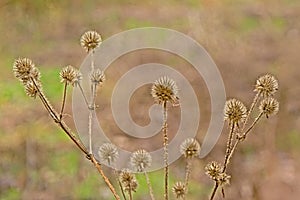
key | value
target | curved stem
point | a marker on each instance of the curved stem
(63, 101)
(255, 100)
(214, 191)
(83, 94)
(72, 136)
(252, 125)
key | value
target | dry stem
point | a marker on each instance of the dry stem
(149, 186)
(72, 136)
(165, 143)
(63, 100)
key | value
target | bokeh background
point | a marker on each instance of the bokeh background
(246, 38)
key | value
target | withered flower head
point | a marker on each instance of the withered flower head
(266, 85)
(235, 111)
(190, 148)
(140, 160)
(70, 75)
(164, 90)
(97, 77)
(30, 89)
(223, 179)
(90, 40)
(179, 190)
(128, 180)
(108, 152)
(269, 106)
(24, 68)
(213, 170)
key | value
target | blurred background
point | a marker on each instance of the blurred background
(246, 38)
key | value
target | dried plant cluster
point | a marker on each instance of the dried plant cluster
(164, 91)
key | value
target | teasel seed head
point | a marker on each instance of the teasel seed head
(165, 90)
(179, 190)
(30, 89)
(190, 148)
(128, 180)
(97, 77)
(223, 179)
(90, 40)
(213, 170)
(269, 106)
(140, 160)
(70, 75)
(266, 85)
(24, 69)
(235, 111)
(108, 152)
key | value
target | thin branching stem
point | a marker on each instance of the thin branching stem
(72, 136)
(130, 193)
(92, 105)
(254, 102)
(63, 100)
(252, 125)
(244, 135)
(229, 146)
(106, 180)
(83, 94)
(117, 179)
(166, 156)
(214, 191)
(120, 185)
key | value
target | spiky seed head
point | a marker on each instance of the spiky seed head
(266, 85)
(108, 152)
(269, 106)
(90, 40)
(164, 90)
(70, 75)
(97, 77)
(30, 89)
(179, 190)
(24, 69)
(213, 170)
(235, 111)
(223, 179)
(190, 148)
(128, 180)
(140, 160)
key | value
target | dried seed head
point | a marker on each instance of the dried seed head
(269, 106)
(97, 77)
(223, 179)
(179, 190)
(108, 152)
(24, 69)
(70, 75)
(30, 89)
(90, 40)
(235, 111)
(190, 148)
(266, 85)
(164, 90)
(128, 180)
(140, 160)
(213, 170)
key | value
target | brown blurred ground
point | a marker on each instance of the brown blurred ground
(245, 38)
